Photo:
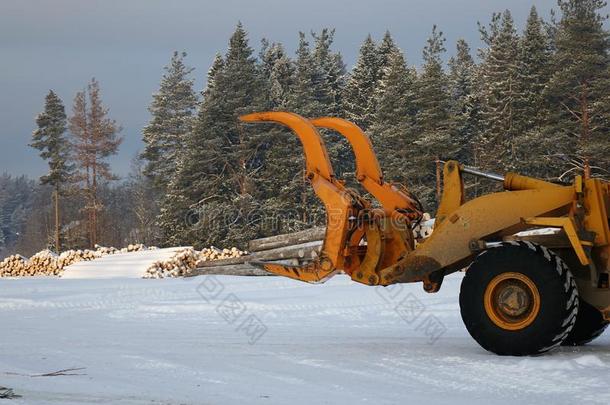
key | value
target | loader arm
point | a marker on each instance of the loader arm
(340, 204)
(462, 225)
(395, 201)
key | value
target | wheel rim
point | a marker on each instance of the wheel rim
(512, 301)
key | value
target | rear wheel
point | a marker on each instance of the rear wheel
(589, 325)
(518, 299)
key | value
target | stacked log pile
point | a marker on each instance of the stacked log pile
(43, 263)
(13, 266)
(47, 263)
(72, 256)
(178, 265)
(213, 253)
(185, 261)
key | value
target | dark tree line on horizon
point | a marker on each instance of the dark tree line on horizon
(535, 102)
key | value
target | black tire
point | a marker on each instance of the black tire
(556, 292)
(590, 324)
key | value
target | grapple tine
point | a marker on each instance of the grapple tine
(316, 156)
(340, 204)
(310, 273)
(394, 200)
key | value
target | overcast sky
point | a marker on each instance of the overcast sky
(61, 44)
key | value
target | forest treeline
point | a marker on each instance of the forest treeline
(534, 100)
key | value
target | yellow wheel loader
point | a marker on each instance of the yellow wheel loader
(523, 293)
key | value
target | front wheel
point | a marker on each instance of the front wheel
(518, 299)
(590, 324)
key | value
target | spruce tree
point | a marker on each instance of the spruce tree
(433, 122)
(329, 73)
(465, 105)
(301, 203)
(392, 131)
(533, 148)
(496, 148)
(277, 72)
(303, 100)
(217, 65)
(387, 48)
(220, 170)
(579, 86)
(329, 76)
(172, 111)
(362, 88)
(49, 138)
(281, 180)
(532, 70)
(363, 79)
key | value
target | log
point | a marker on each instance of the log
(306, 251)
(273, 242)
(243, 269)
(224, 262)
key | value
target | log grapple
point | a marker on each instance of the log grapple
(523, 293)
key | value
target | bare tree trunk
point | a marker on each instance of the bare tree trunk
(57, 230)
(438, 181)
(584, 136)
(89, 204)
(94, 201)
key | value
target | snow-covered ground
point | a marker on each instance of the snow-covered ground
(121, 265)
(267, 340)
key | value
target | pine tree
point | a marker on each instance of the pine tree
(359, 101)
(579, 86)
(49, 138)
(172, 111)
(95, 140)
(392, 128)
(433, 122)
(465, 105)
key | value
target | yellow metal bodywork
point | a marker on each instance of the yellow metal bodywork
(453, 192)
(597, 210)
(485, 218)
(567, 224)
